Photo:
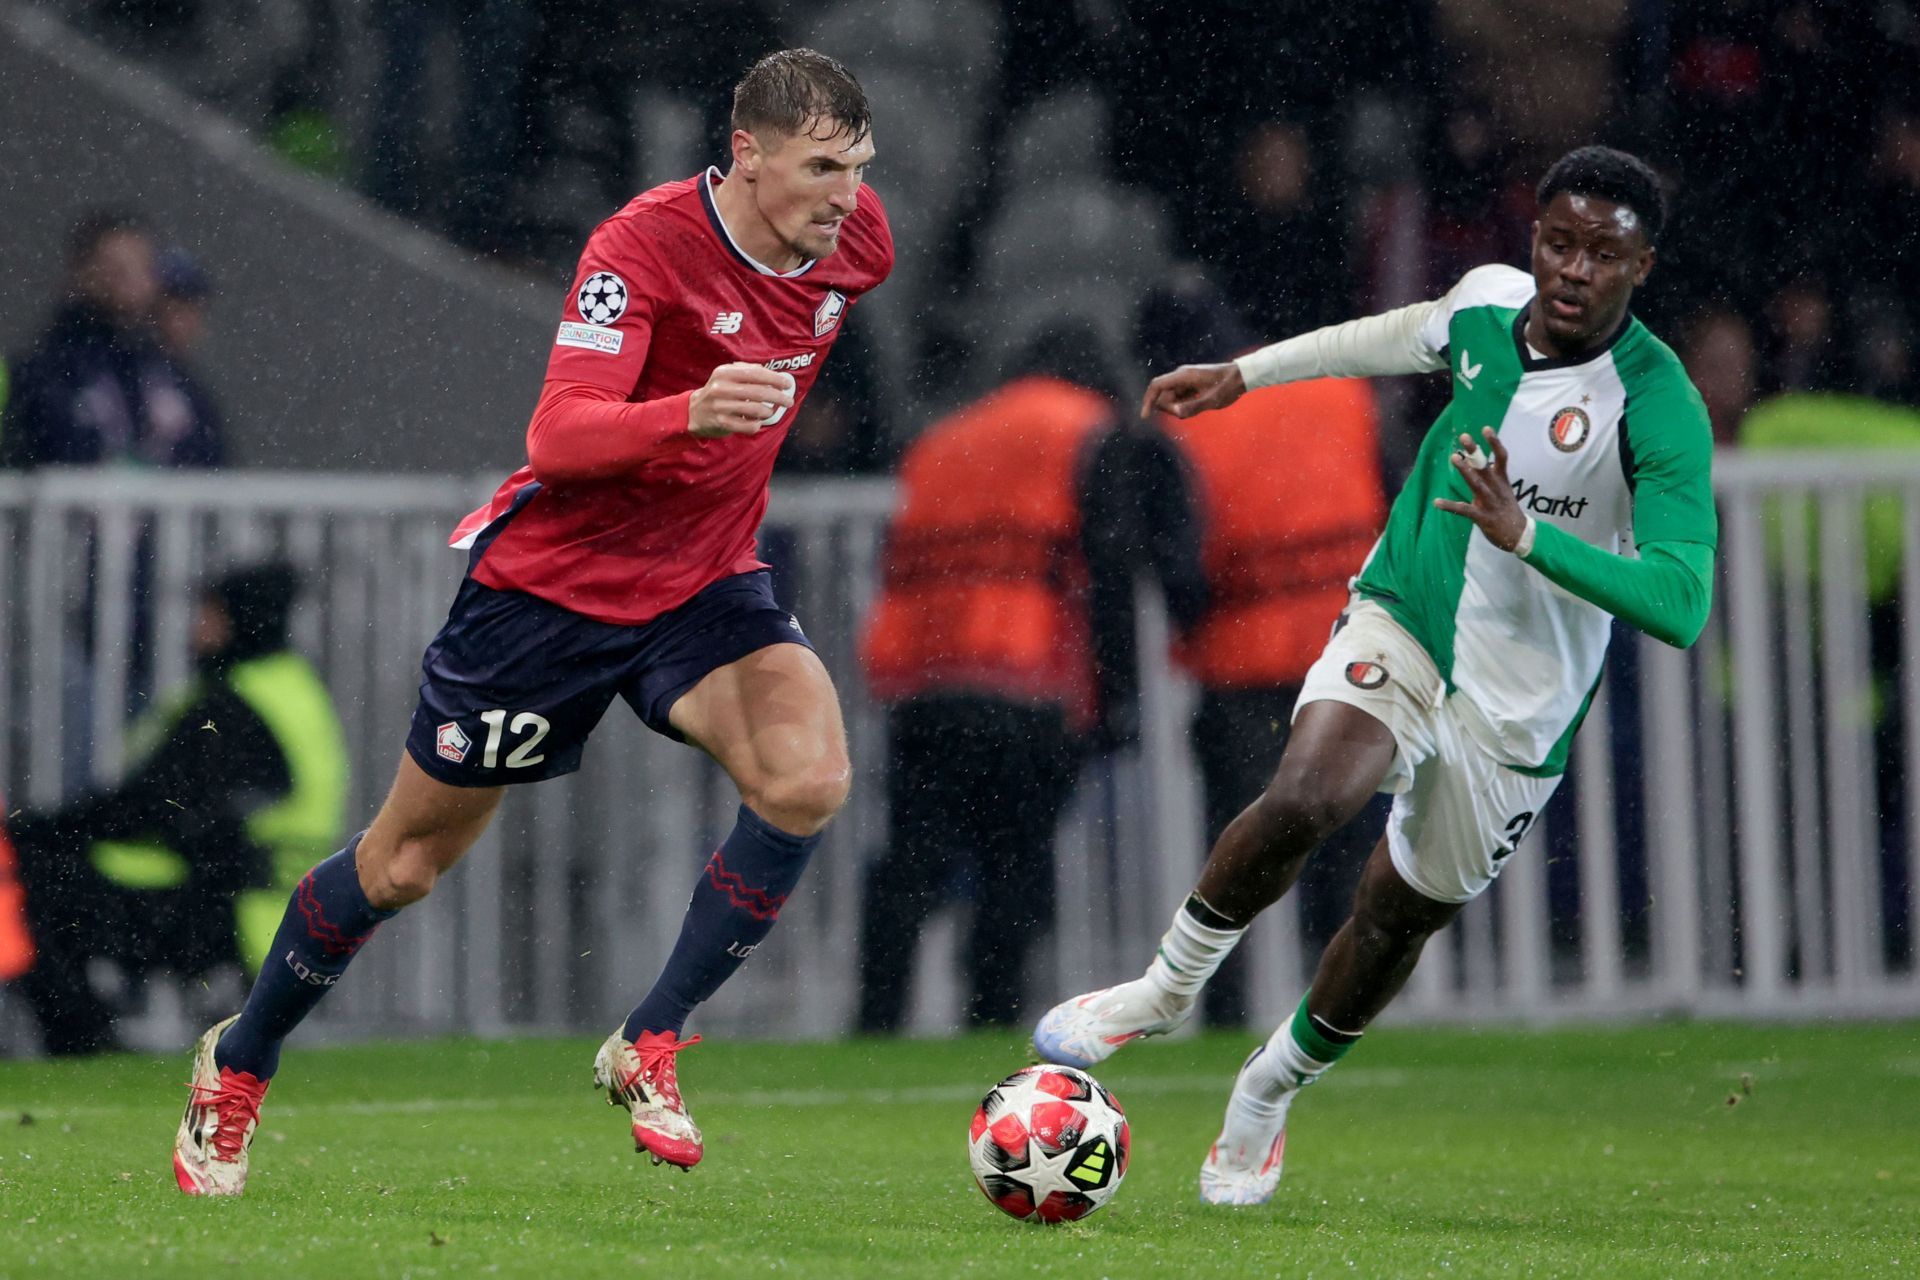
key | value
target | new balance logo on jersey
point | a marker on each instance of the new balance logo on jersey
(1542, 504)
(727, 322)
(1468, 369)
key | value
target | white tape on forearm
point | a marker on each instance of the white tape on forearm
(1524, 547)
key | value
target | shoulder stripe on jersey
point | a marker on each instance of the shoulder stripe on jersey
(1529, 363)
(1625, 449)
(726, 236)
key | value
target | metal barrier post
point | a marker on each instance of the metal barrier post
(1760, 789)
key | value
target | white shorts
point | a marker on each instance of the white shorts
(1460, 809)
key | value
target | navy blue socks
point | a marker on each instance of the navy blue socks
(735, 902)
(734, 905)
(327, 921)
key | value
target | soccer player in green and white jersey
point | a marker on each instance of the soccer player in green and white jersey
(1568, 480)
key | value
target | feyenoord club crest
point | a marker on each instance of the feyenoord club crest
(603, 298)
(829, 313)
(1366, 675)
(1569, 429)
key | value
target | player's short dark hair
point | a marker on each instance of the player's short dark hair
(1610, 175)
(96, 225)
(798, 90)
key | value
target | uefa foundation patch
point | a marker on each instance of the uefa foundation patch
(589, 337)
(1366, 675)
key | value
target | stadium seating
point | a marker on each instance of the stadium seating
(1067, 242)
(928, 70)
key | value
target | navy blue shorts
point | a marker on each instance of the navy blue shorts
(512, 685)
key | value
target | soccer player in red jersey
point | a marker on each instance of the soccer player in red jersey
(620, 560)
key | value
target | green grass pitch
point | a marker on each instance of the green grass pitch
(1689, 1149)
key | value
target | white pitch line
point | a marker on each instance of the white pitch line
(1357, 1077)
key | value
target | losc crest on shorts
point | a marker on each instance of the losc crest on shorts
(1460, 808)
(513, 685)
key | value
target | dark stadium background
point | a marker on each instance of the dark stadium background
(1315, 161)
(1678, 1036)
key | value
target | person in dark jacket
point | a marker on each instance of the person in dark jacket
(1003, 645)
(180, 325)
(97, 388)
(236, 779)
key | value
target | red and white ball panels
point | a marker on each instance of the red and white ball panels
(1049, 1143)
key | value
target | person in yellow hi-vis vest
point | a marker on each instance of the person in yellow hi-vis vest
(236, 784)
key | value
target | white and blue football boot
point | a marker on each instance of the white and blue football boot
(1089, 1029)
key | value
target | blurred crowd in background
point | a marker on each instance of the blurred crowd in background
(111, 378)
(1085, 192)
(1306, 162)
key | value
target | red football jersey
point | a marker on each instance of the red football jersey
(663, 297)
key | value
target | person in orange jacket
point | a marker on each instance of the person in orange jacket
(1290, 500)
(16, 937)
(1002, 642)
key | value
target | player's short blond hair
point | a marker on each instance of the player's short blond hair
(801, 90)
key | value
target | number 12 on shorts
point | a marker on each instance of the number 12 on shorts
(521, 757)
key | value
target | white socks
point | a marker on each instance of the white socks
(1298, 1052)
(1283, 1068)
(1189, 954)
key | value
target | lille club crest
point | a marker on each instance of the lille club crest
(1569, 429)
(1366, 675)
(829, 313)
(451, 744)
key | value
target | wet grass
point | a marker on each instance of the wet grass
(1687, 1149)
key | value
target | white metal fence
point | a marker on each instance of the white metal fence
(1729, 843)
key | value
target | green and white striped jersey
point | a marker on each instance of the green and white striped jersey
(1613, 447)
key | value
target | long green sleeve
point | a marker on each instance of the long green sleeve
(1666, 592)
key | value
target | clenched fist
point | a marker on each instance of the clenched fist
(739, 400)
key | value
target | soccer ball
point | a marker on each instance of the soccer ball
(603, 298)
(1049, 1144)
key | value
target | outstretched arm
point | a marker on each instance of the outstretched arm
(1389, 343)
(1666, 592)
(1371, 346)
